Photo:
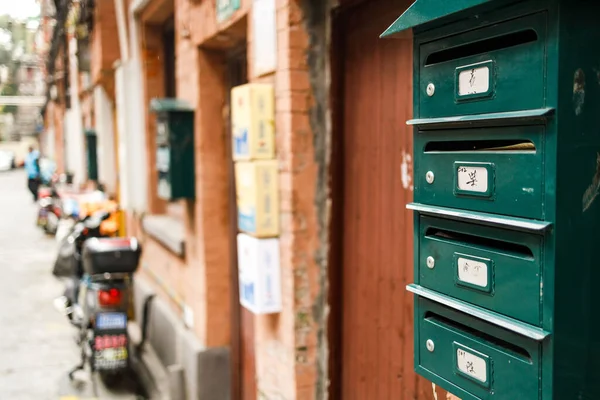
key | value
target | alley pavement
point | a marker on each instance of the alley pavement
(37, 346)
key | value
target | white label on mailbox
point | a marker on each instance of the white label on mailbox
(472, 179)
(471, 365)
(163, 159)
(474, 81)
(473, 272)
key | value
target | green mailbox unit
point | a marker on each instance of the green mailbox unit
(91, 147)
(175, 164)
(506, 206)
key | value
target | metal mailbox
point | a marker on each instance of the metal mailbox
(482, 265)
(506, 196)
(175, 165)
(91, 147)
(475, 359)
(498, 170)
(486, 64)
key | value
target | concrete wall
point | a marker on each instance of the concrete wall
(205, 371)
(75, 143)
(104, 118)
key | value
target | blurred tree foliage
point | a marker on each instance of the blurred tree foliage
(17, 32)
(9, 89)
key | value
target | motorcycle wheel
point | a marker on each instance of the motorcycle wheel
(51, 224)
(115, 379)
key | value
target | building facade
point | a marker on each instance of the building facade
(343, 157)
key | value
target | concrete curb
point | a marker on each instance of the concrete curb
(146, 364)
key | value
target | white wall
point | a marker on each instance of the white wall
(130, 117)
(75, 144)
(48, 145)
(103, 108)
(124, 137)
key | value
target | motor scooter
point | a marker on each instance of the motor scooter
(96, 297)
(49, 207)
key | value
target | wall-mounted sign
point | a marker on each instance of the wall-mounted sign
(259, 274)
(257, 197)
(225, 8)
(253, 121)
(264, 29)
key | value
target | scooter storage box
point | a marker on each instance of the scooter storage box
(111, 255)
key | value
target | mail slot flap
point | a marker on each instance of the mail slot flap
(537, 116)
(497, 170)
(498, 68)
(482, 265)
(473, 359)
(518, 224)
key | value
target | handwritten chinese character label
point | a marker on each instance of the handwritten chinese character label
(472, 179)
(474, 81)
(471, 365)
(473, 272)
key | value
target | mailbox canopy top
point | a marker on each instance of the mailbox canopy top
(170, 105)
(422, 12)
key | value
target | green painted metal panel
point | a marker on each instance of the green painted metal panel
(497, 364)
(498, 263)
(545, 90)
(491, 69)
(425, 11)
(501, 170)
(225, 8)
(169, 105)
(91, 146)
(175, 152)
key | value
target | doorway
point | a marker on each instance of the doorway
(372, 181)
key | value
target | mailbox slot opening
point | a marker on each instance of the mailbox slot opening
(512, 249)
(482, 46)
(507, 145)
(503, 345)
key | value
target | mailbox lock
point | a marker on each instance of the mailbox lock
(430, 262)
(430, 345)
(430, 89)
(429, 177)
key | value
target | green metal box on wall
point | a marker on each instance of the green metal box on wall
(175, 163)
(91, 147)
(506, 211)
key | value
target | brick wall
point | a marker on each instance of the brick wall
(104, 44)
(286, 343)
(153, 71)
(58, 113)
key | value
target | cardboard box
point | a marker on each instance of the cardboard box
(257, 197)
(253, 122)
(259, 274)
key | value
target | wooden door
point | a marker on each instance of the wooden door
(376, 251)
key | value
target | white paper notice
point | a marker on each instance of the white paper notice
(474, 81)
(473, 272)
(472, 179)
(471, 365)
(264, 26)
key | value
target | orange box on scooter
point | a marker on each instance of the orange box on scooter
(111, 255)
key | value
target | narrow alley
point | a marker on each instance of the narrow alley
(36, 342)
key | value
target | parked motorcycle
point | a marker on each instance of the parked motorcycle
(50, 207)
(97, 295)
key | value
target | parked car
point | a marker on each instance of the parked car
(7, 160)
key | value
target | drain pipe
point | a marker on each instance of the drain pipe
(145, 319)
